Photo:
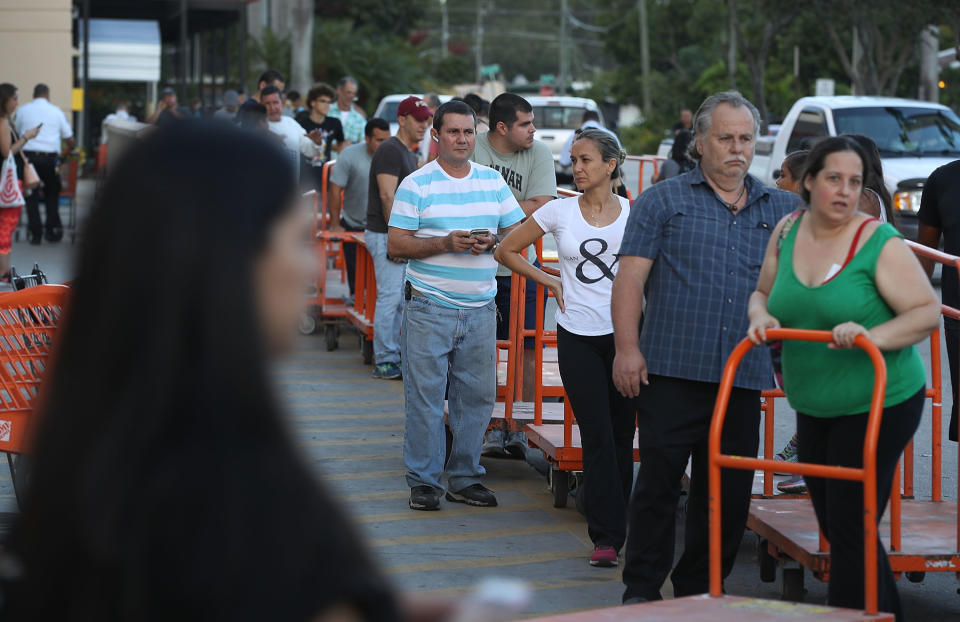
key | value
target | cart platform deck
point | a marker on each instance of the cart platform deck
(705, 608)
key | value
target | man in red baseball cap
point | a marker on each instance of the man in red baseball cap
(393, 160)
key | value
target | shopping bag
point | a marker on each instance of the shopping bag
(11, 194)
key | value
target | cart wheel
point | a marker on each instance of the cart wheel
(331, 333)
(768, 565)
(308, 323)
(791, 588)
(366, 351)
(916, 576)
(560, 484)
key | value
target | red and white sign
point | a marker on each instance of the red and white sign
(6, 427)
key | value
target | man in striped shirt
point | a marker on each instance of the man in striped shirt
(445, 220)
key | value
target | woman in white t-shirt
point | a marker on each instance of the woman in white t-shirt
(588, 230)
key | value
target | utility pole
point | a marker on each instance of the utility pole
(444, 29)
(564, 51)
(478, 45)
(644, 57)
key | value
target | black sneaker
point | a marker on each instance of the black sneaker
(424, 498)
(477, 494)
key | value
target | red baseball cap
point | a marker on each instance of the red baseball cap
(415, 106)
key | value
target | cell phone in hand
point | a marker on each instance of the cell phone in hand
(478, 232)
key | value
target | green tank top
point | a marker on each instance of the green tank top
(822, 382)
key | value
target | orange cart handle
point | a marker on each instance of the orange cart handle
(867, 474)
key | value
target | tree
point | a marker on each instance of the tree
(756, 32)
(881, 42)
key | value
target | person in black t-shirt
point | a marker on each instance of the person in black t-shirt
(940, 215)
(315, 117)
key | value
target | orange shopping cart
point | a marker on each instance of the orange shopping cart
(28, 323)
(719, 607)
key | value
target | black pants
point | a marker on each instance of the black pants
(673, 423)
(839, 503)
(952, 337)
(607, 423)
(46, 165)
(350, 255)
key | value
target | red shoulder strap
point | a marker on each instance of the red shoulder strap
(853, 248)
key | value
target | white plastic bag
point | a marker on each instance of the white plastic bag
(10, 193)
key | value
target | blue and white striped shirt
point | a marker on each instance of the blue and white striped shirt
(433, 204)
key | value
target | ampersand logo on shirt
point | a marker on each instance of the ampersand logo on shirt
(594, 258)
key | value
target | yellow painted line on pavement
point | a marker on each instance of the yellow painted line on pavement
(495, 562)
(353, 441)
(446, 512)
(470, 535)
(342, 415)
(610, 577)
(358, 458)
(352, 428)
(344, 477)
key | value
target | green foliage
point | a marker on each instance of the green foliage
(950, 94)
(380, 62)
(268, 51)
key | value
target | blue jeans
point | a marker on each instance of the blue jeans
(441, 344)
(388, 315)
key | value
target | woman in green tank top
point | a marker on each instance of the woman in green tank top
(832, 268)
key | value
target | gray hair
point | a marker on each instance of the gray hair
(345, 80)
(704, 116)
(432, 100)
(608, 144)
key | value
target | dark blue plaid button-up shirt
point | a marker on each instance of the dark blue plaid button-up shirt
(706, 264)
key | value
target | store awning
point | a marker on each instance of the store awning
(123, 50)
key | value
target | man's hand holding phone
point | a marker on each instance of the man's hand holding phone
(482, 241)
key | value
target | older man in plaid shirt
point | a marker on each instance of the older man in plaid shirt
(350, 115)
(696, 242)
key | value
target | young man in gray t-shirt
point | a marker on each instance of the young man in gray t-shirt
(527, 167)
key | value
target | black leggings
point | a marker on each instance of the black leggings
(607, 423)
(838, 441)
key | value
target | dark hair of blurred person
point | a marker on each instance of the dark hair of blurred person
(253, 117)
(876, 198)
(165, 485)
(679, 161)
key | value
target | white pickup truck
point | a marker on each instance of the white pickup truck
(914, 138)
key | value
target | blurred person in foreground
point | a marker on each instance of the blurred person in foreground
(444, 221)
(831, 267)
(588, 229)
(43, 150)
(689, 261)
(351, 177)
(165, 484)
(939, 218)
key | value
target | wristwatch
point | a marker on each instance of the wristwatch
(496, 242)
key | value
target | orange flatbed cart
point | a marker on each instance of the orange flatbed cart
(718, 607)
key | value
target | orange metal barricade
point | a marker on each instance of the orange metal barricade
(643, 161)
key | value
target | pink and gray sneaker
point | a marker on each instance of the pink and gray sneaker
(604, 556)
